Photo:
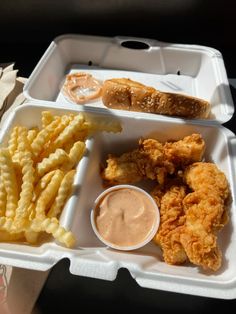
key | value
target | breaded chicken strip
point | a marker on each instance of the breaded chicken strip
(172, 219)
(145, 162)
(153, 160)
(204, 210)
(185, 152)
(122, 170)
(205, 213)
(207, 175)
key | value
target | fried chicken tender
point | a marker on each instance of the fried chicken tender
(189, 222)
(122, 170)
(153, 160)
(186, 151)
(172, 220)
(207, 175)
(206, 214)
(145, 162)
(204, 210)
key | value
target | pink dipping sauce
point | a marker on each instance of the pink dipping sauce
(125, 217)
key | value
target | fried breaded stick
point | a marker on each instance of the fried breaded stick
(205, 214)
(207, 175)
(204, 210)
(172, 219)
(153, 160)
(121, 170)
(186, 151)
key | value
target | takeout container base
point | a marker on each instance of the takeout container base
(90, 257)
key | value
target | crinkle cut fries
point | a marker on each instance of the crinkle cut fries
(37, 169)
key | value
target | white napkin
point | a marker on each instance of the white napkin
(19, 289)
(11, 90)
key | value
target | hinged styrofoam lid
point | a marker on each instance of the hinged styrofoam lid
(189, 69)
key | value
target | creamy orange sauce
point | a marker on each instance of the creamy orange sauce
(125, 217)
(82, 87)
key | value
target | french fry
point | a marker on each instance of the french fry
(81, 135)
(21, 133)
(46, 118)
(12, 143)
(43, 136)
(53, 161)
(73, 127)
(23, 143)
(62, 195)
(6, 224)
(3, 198)
(32, 133)
(50, 147)
(67, 146)
(106, 124)
(52, 226)
(8, 176)
(75, 154)
(27, 189)
(31, 236)
(42, 183)
(31, 211)
(65, 120)
(48, 194)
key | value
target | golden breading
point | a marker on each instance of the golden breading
(153, 160)
(205, 213)
(207, 175)
(121, 170)
(184, 152)
(172, 220)
(204, 210)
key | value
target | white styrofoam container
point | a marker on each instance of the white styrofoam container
(189, 69)
(90, 257)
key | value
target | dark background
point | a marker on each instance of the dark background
(28, 26)
(26, 29)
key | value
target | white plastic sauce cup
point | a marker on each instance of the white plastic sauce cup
(150, 234)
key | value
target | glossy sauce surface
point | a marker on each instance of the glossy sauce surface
(125, 217)
(81, 87)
